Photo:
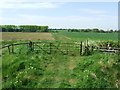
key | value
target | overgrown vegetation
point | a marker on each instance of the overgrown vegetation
(113, 44)
(41, 70)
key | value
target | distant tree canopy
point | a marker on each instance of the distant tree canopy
(85, 30)
(91, 30)
(23, 28)
(35, 28)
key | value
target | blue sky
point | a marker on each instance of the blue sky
(102, 15)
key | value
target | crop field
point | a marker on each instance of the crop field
(14, 36)
(89, 35)
(28, 69)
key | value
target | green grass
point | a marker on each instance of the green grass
(89, 35)
(24, 69)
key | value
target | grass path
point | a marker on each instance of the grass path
(58, 37)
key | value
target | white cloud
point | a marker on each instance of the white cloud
(28, 5)
(92, 11)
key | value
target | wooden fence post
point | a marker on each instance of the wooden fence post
(50, 48)
(67, 50)
(33, 46)
(30, 46)
(86, 46)
(12, 48)
(92, 48)
(81, 48)
(9, 49)
(86, 49)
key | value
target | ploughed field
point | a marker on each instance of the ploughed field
(14, 36)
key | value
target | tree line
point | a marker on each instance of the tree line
(35, 28)
(92, 30)
(85, 30)
(23, 28)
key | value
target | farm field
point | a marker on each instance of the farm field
(14, 36)
(40, 70)
(89, 35)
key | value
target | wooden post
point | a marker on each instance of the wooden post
(33, 46)
(81, 48)
(86, 49)
(9, 49)
(50, 48)
(30, 46)
(92, 48)
(84, 43)
(67, 50)
(86, 46)
(12, 48)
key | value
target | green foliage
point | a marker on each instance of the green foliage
(24, 28)
(8, 28)
(114, 44)
(90, 30)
